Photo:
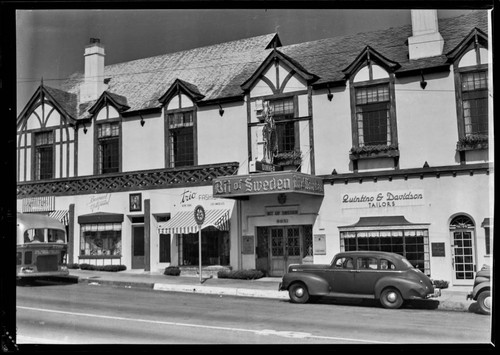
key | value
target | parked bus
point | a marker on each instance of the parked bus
(41, 246)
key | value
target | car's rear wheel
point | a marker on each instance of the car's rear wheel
(298, 293)
(484, 302)
(391, 298)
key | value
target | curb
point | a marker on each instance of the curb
(226, 291)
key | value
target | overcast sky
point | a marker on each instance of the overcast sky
(50, 43)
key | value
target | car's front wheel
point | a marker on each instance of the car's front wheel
(298, 293)
(484, 302)
(391, 298)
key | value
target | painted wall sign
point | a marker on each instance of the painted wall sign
(247, 246)
(319, 243)
(97, 201)
(190, 198)
(382, 199)
(39, 204)
(265, 183)
(437, 249)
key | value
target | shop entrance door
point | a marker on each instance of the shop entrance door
(463, 258)
(462, 250)
(138, 247)
(285, 246)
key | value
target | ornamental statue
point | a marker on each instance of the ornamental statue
(269, 135)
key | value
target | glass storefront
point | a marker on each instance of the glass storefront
(214, 248)
(412, 244)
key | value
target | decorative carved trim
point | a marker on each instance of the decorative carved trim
(137, 180)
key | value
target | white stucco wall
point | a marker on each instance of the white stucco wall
(143, 146)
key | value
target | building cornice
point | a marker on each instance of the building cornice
(425, 172)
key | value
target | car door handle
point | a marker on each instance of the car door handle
(353, 270)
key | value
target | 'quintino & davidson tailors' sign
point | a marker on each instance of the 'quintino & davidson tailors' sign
(382, 199)
(266, 183)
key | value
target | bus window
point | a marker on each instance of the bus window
(56, 236)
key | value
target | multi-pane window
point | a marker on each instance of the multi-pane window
(412, 244)
(101, 239)
(373, 115)
(108, 135)
(181, 139)
(475, 102)
(44, 164)
(283, 111)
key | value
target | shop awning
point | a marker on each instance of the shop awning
(183, 222)
(61, 215)
(384, 222)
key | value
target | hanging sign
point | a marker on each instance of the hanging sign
(199, 215)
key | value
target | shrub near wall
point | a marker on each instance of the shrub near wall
(240, 274)
(111, 268)
(172, 271)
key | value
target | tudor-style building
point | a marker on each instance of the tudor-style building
(378, 141)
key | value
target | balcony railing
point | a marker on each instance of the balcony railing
(200, 175)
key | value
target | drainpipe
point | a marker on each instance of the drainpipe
(147, 235)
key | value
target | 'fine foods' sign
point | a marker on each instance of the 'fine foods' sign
(266, 183)
(382, 199)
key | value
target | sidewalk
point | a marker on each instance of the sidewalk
(452, 298)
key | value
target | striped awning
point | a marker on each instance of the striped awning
(61, 215)
(183, 222)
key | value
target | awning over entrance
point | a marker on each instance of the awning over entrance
(183, 222)
(61, 215)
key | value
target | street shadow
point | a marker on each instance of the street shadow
(47, 281)
(370, 303)
(474, 308)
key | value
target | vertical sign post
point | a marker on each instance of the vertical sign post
(199, 217)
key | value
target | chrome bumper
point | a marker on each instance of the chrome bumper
(437, 293)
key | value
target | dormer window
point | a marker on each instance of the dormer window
(283, 114)
(373, 115)
(475, 101)
(373, 108)
(181, 138)
(44, 156)
(470, 64)
(108, 136)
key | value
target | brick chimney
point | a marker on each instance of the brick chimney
(426, 40)
(93, 85)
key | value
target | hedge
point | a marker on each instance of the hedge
(111, 268)
(172, 271)
(240, 274)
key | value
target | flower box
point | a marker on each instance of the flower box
(374, 151)
(293, 158)
(472, 142)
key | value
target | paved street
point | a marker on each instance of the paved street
(86, 314)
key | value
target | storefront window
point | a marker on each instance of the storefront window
(214, 248)
(412, 244)
(100, 239)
